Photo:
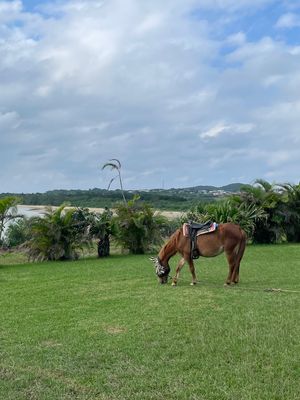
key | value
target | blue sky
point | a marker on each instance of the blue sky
(183, 93)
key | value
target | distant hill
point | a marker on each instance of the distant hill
(164, 199)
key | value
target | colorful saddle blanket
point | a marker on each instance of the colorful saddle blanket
(200, 229)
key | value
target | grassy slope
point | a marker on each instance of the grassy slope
(104, 329)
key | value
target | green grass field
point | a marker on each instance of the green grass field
(104, 329)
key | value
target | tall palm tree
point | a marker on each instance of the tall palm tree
(115, 164)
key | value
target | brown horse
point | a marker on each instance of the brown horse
(228, 238)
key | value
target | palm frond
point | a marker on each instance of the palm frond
(117, 161)
(111, 181)
(111, 165)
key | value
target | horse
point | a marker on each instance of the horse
(228, 238)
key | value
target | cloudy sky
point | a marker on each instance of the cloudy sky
(183, 93)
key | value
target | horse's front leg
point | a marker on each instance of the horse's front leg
(178, 269)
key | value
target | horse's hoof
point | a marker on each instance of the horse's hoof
(193, 283)
(174, 284)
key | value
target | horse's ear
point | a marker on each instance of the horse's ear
(153, 259)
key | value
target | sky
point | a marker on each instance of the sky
(183, 93)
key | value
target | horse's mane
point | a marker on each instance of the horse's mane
(169, 248)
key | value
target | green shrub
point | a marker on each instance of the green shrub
(230, 210)
(8, 212)
(17, 232)
(59, 234)
(137, 228)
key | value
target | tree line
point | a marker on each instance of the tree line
(175, 200)
(269, 213)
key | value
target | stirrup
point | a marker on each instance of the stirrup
(195, 254)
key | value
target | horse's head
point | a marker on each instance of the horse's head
(162, 271)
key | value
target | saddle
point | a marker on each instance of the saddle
(194, 229)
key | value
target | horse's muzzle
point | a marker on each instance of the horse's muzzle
(163, 279)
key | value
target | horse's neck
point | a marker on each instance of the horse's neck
(168, 250)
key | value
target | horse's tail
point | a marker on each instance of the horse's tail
(239, 251)
(242, 246)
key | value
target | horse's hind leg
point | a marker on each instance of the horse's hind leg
(231, 259)
(236, 277)
(178, 269)
(239, 256)
(234, 259)
(193, 272)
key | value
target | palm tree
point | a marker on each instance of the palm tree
(58, 234)
(137, 227)
(100, 229)
(291, 211)
(115, 164)
(8, 212)
(270, 200)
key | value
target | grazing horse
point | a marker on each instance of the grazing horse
(228, 238)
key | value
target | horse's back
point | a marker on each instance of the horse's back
(226, 236)
(230, 229)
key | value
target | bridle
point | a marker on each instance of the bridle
(160, 270)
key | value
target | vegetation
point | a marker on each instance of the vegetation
(104, 329)
(136, 227)
(8, 212)
(270, 200)
(291, 212)
(169, 199)
(58, 235)
(231, 210)
(115, 164)
(268, 213)
(17, 233)
(101, 228)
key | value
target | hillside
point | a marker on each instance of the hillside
(164, 199)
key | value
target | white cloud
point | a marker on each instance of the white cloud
(10, 10)
(9, 120)
(85, 81)
(226, 129)
(236, 39)
(289, 20)
(150, 23)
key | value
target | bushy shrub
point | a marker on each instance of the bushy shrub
(8, 212)
(17, 232)
(230, 210)
(59, 234)
(268, 198)
(291, 211)
(137, 228)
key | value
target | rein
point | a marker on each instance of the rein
(235, 287)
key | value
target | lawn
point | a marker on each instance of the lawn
(104, 329)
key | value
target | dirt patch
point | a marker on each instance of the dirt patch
(115, 330)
